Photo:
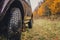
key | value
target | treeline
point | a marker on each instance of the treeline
(48, 7)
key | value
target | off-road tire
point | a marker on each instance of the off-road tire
(15, 24)
(30, 24)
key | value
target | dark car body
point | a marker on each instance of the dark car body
(25, 7)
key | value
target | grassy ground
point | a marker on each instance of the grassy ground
(43, 29)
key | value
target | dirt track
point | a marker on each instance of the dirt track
(43, 29)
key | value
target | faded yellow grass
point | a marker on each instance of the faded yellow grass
(43, 29)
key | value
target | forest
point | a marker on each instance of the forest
(48, 7)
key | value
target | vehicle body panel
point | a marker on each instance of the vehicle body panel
(27, 10)
(4, 6)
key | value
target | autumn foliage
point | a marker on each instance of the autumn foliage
(48, 7)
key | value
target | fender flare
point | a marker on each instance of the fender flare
(9, 4)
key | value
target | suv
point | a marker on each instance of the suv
(14, 14)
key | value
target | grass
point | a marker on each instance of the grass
(43, 29)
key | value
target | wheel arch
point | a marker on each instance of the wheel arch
(18, 4)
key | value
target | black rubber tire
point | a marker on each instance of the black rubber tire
(30, 24)
(15, 23)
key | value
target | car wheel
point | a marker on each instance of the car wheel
(30, 23)
(14, 24)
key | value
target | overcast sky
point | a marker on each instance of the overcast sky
(34, 3)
